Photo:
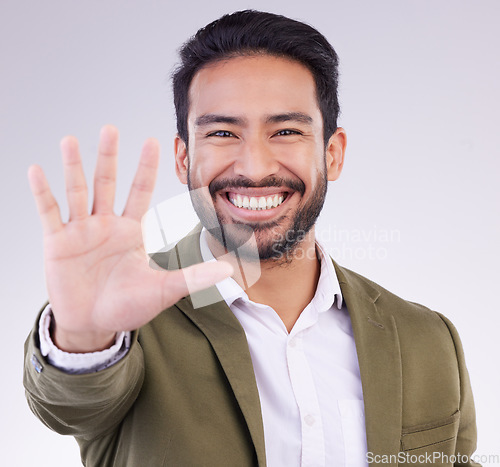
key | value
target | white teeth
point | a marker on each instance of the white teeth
(256, 203)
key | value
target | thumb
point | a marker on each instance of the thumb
(203, 275)
(192, 279)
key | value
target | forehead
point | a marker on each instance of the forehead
(254, 86)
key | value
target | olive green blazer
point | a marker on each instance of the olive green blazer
(185, 394)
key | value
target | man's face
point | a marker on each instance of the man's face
(256, 151)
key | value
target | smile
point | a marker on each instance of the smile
(256, 203)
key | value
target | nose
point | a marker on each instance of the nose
(256, 160)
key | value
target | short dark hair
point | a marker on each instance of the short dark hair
(252, 32)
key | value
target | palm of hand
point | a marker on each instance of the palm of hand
(98, 277)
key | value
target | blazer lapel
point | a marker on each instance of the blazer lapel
(225, 334)
(379, 357)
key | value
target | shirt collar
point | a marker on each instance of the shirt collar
(328, 285)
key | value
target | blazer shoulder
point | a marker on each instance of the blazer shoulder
(388, 303)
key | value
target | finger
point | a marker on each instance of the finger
(144, 181)
(46, 204)
(76, 187)
(186, 281)
(105, 171)
(162, 289)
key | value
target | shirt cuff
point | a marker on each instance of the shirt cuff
(79, 363)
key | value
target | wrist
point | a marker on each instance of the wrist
(81, 342)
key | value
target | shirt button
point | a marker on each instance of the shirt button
(309, 419)
(292, 342)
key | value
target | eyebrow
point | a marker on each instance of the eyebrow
(299, 117)
(209, 119)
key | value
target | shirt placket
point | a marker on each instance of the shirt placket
(313, 441)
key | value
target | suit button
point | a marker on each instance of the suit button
(36, 364)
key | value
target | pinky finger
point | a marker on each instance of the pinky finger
(47, 206)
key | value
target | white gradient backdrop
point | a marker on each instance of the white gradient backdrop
(420, 102)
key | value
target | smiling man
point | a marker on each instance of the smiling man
(311, 364)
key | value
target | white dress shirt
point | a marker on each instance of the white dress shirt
(308, 380)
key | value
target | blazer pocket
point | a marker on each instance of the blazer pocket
(435, 439)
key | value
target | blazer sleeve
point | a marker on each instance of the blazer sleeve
(467, 432)
(85, 406)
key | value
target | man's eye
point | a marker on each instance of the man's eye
(221, 134)
(287, 132)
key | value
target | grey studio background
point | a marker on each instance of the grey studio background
(416, 209)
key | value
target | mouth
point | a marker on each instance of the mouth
(257, 203)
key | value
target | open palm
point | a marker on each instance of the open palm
(98, 278)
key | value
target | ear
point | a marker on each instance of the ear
(335, 152)
(181, 159)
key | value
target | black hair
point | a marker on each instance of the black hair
(252, 32)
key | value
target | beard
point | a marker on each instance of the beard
(274, 241)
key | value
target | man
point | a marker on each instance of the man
(310, 364)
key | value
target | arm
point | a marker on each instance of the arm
(99, 284)
(87, 405)
(467, 432)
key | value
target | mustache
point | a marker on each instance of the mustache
(271, 181)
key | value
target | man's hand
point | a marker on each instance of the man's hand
(98, 278)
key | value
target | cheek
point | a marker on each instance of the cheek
(305, 166)
(206, 165)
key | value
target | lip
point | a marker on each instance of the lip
(256, 215)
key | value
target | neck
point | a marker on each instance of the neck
(287, 284)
